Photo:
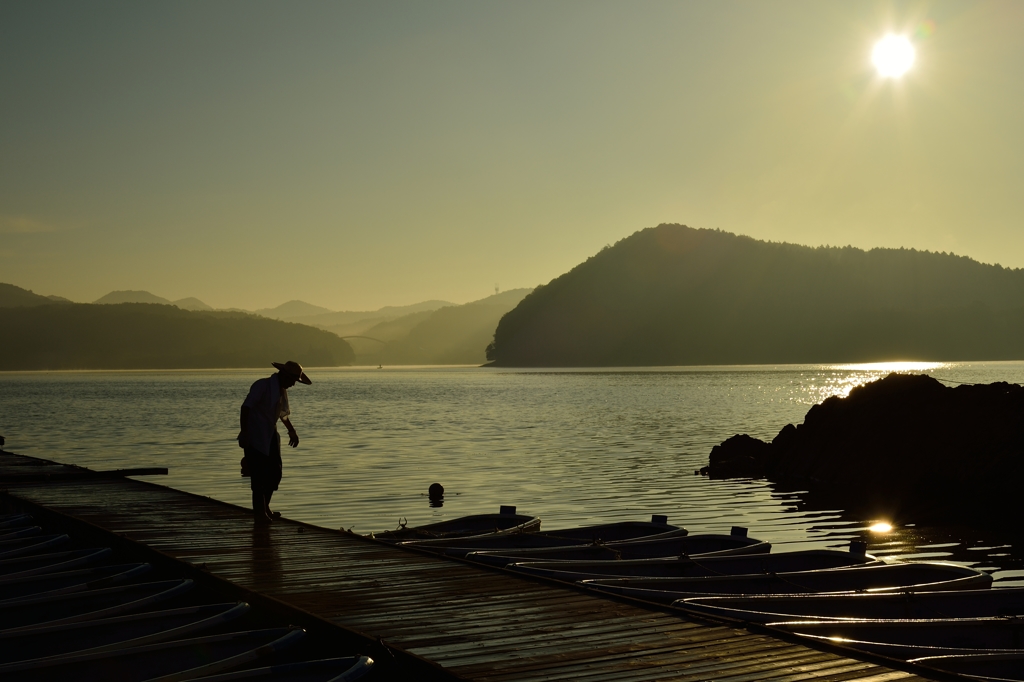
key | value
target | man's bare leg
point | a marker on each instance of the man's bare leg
(260, 510)
(271, 514)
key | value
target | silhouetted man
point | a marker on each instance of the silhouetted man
(266, 403)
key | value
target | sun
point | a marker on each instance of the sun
(893, 56)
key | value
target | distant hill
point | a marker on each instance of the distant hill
(149, 336)
(398, 328)
(353, 322)
(127, 296)
(673, 295)
(292, 309)
(131, 297)
(191, 303)
(452, 335)
(16, 297)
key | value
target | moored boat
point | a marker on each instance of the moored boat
(1007, 601)
(476, 524)
(691, 545)
(873, 578)
(681, 567)
(89, 605)
(984, 666)
(15, 533)
(118, 632)
(13, 590)
(35, 544)
(346, 669)
(53, 562)
(182, 659)
(902, 652)
(625, 531)
(954, 633)
(12, 520)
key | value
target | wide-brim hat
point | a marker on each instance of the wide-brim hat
(295, 369)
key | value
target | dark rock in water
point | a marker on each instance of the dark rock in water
(905, 444)
(741, 456)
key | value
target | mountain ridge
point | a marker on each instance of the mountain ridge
(674, 295)
(12, 296)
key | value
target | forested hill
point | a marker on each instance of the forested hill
(16, 297)
(151, 336)
(673, 295)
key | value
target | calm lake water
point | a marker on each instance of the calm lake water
(571, 446)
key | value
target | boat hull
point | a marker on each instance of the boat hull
(690, 545)
(930, 604)
(630, 531)
(476, 524)
(997, 666)
(183, 659)
(875, 578)
(114, 633)
(685, 567)
(89, 605)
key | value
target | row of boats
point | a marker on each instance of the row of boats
(939, 615)
(72, 612)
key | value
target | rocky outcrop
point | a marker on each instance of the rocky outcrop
(902, 444)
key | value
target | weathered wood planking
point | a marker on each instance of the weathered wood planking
(479, 624)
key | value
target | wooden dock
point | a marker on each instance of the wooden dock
(475, 623)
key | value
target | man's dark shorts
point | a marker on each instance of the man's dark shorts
(264, 470)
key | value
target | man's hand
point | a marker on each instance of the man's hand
(293, 438)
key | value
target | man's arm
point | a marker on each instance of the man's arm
(293, 438)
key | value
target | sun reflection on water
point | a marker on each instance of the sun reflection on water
(839, 380)
(880, 527)
(896, 366)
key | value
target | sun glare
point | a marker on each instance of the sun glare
(893, 56)
(880, 527)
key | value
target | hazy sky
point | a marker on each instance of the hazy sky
(362, 154)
